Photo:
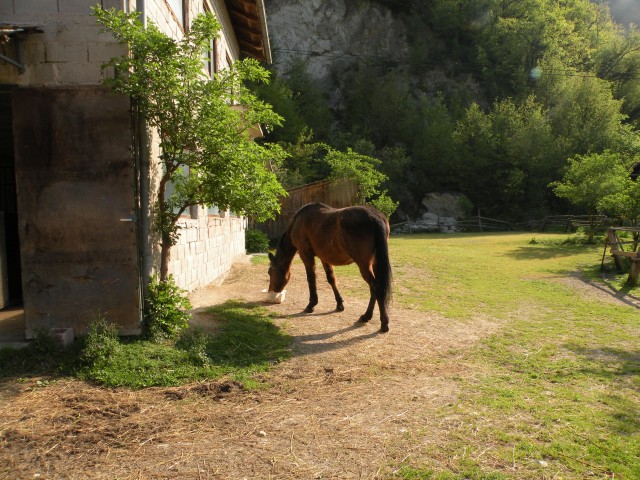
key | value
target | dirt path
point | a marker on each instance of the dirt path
(350, 403)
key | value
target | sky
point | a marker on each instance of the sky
(625, 11)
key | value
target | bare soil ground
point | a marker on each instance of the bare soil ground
(350, 403)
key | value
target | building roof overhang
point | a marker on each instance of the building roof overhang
(249, 22)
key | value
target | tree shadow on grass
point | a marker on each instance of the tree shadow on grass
(616, 366)
(606, 285)
(244, 341)
(543, 252)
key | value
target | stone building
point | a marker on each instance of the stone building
(78, 169)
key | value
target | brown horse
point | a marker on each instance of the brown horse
(338, 237)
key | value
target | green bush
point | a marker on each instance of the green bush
(167, 308)
(256, 241)
(385, 204)
(100, 342)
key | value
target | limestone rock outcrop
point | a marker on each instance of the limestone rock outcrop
(330, 34)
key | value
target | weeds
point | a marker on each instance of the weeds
(100, 343)
(167, 310)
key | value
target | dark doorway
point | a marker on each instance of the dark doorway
(11, 294)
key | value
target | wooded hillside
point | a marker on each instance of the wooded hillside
(489, 98)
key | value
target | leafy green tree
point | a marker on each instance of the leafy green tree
(433, 161)
(361, 170)
(624, 204)
(206, 153)
(380, 107)
(279, 95)
(617, 60)
(583, 113)
(519, 34)
(312, 101)
(590, 179)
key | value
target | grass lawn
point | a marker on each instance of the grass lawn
(555, 393)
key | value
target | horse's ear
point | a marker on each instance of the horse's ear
(271, 257)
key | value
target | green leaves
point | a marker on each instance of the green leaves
(590, 178)
(600, 182)
(363, 171)
(167, 312)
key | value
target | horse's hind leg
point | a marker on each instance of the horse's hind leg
(369, 278)
(368, 314)
(310, 267)
(331, 278)
(384, 316)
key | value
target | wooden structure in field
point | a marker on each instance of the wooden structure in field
(337, 194)
(622, 249)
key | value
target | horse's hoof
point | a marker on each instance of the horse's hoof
(384, 328)
(364, 319)
(308, 310)
(340, 307)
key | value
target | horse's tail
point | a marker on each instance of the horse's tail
(382, 265)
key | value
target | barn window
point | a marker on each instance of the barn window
(211, 57)
(177, 7)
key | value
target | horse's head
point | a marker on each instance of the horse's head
(279, 274)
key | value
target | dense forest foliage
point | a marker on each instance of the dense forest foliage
(493, 98)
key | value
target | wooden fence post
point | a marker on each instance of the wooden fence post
(615, 246)
(633, 272)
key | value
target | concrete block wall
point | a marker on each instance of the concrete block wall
(69, 51)
(72, 49)
(206, 249)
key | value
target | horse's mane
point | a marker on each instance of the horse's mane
(285, 246)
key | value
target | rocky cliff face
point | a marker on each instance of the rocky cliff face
(330, 34)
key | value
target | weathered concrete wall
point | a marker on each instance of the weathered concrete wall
(74, 182)
(206, 249)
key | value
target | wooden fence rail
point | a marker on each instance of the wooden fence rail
(482, 224)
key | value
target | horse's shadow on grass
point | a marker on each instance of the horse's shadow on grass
(315, 343)
(247, 326)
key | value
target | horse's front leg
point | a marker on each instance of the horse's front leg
(310, 267)
(331, 278)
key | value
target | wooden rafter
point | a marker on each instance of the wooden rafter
(249, 28)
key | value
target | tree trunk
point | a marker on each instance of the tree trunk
(592, 228)
(165, 254)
